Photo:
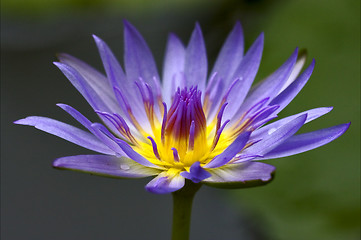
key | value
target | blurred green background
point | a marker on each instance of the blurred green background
(315, 195)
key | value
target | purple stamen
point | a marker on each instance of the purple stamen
(191, 136)
(218, 134)
(126, 128)
(150, 94)
(230, 89)
(141, 89)
(219, 116)
(164, 122)
(120, 124)
(155, 149)
(175, 154)
(262, 114)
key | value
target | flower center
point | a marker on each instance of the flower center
(183, 137)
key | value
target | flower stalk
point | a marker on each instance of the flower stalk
(182, 210)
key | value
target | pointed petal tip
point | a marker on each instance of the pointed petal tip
(346, 126)
(198, 30)
(57, 163)
(60, 65)
(128, 26)
(125, 21)
(258, 43)
(61, 105)
(327, 109)
(21, 121)
(97, 39)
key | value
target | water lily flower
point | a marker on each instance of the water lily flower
(208, 128)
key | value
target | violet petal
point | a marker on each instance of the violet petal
(196, 173)
(195, 67)
(241, 175)
(173, 67)
(109, 166)
(67, 132)
(138, 59)
(271, 140)
(163, 184)
(307, 141)
(245, 72)
(230, 151)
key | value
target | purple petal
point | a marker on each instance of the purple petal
(248, 174)
(87, 91)
(230, 151)
(195, 68)
(173, 67)
(164, 183)
(311, 115)
(138, 58)
(301, 60)
(196, 173)
(307, 141)
(227, 61)
(270, 86)
(107, 138)
(83, 87)
(76, 115)
(115, 72)
(110, 166)
(97, 81)
(67, 132)
(112, 67)
(230, 55)
(118, 143)
(287, 95)
(271, 140)
(245, 72)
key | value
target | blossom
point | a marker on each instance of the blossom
(184, 126)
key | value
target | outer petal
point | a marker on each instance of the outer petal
(227, 62)
(271, 140)
(241, 175)
(196, 173)
(230, 151)
(138, 58)
(288, 94)
(301, 60)
(195, 68)
(77, 116)
(165, 183)
(311, 115)
(270, 86)
(67, 132)
(230, 55)
(83, 87)
(117, 77)
(109, 166)
(97, 81)
(245, 72)
(307, 141)
(173, 67)
(118, 144)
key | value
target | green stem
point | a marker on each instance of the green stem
(182, 209)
